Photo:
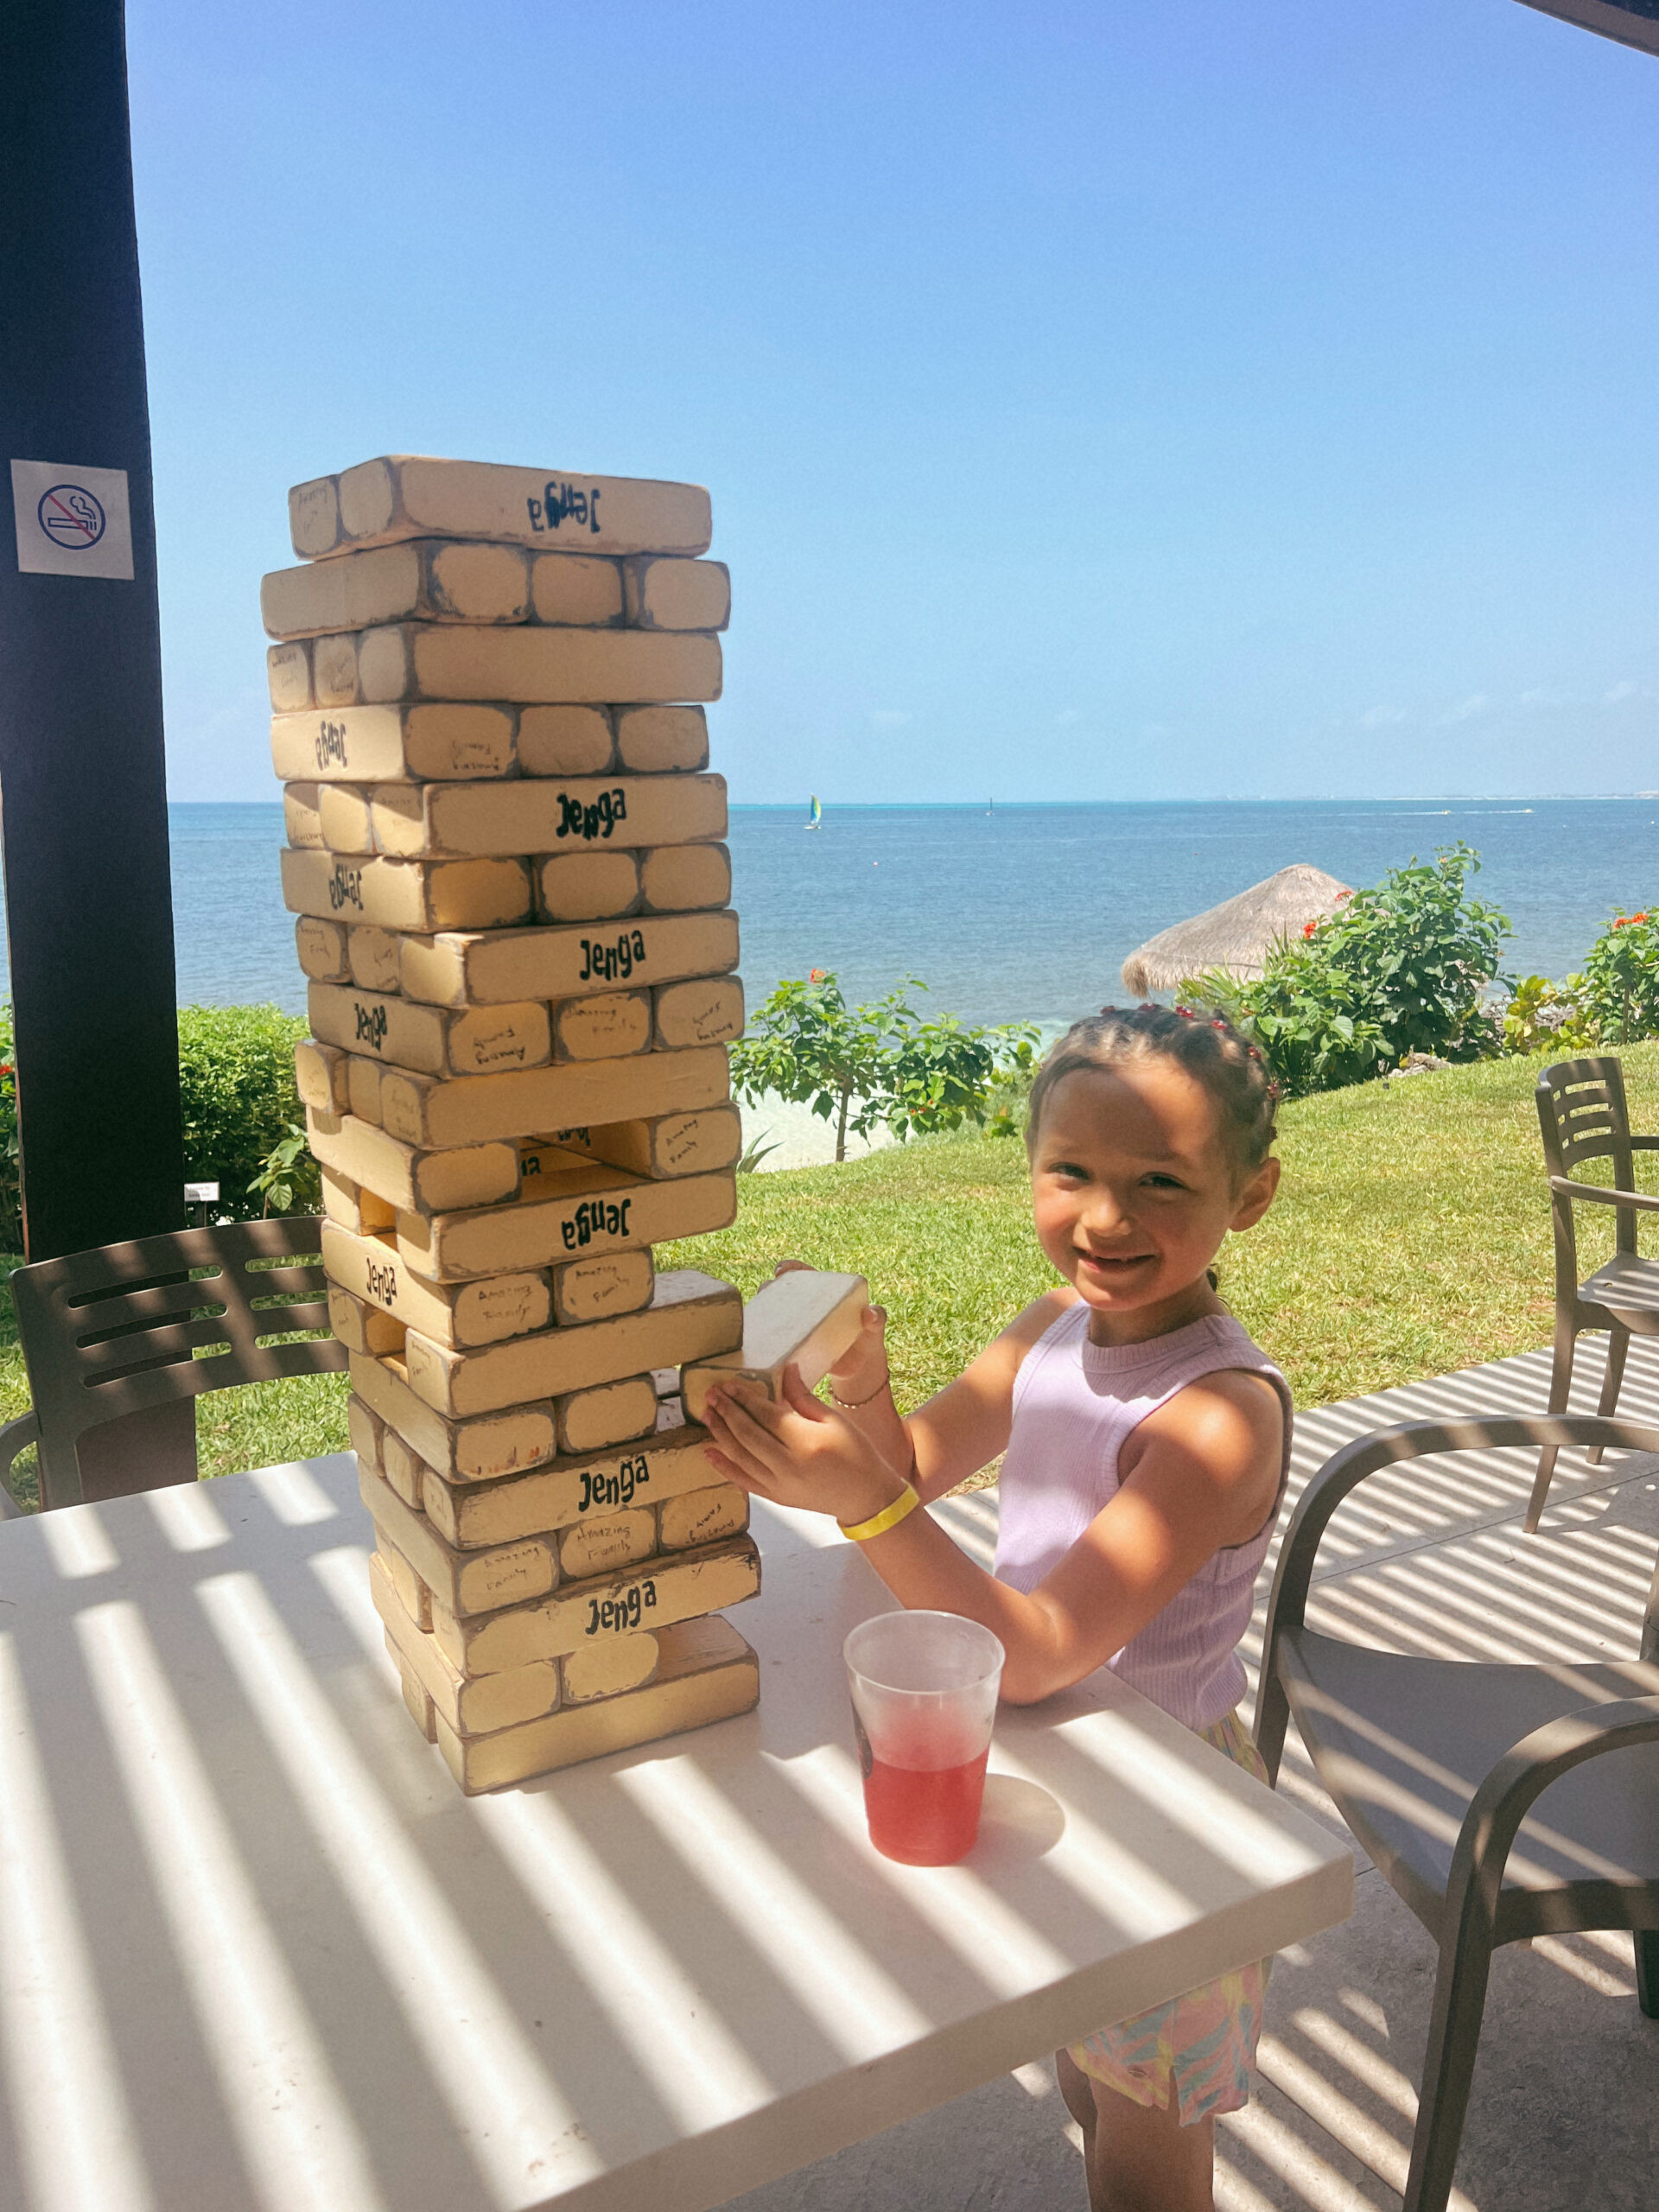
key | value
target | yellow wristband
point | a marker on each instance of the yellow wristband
(889, 1517)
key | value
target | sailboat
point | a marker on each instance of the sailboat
(814, 820)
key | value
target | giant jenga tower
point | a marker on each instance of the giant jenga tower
(506, 858)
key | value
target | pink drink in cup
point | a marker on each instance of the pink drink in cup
(923, 1689)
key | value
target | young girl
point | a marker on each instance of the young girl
(1146, 1441)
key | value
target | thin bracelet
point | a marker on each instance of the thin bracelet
(852, 1405)
(889, 1517)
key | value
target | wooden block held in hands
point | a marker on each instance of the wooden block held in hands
(609, 1028)
(707, 1010)
(661, 740)
(714, 1677)
(674, 594)
(493, 967)
(398, 496)
(692, 1314)
(598, 1289)
(614, 1216)
(422, 579)
(375, 745)
(474, 1516)
(422, 895)
(569, 740)
(806, 1319)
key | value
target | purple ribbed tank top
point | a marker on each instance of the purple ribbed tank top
(1074, 1404)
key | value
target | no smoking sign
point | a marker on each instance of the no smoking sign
(72, 521)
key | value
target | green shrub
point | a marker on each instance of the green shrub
(236, 1089)
(1621, 979)
(1550, 1017)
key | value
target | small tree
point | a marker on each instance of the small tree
(1621, 977)
(861, 1066)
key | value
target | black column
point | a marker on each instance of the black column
(82, 779)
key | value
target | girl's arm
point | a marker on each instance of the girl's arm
(961, 1428)
(1200, 1473)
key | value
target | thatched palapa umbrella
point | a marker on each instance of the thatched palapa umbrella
(1237, 935)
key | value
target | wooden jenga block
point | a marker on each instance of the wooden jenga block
(471, 1313)
(433, 1112)
(606, 1545)
(420, 1709)
(410, 1180)
(366, 1433)
(566, 589)
(424, 581)
(550, 814)
(699, 1517)
(362, 1328)
(708, 1010)
(288, 672)
(424, 895)
(661, 740)
(403, 1468)
(594, 1290)
(469, 1706)
(609, 1668)
(478, 1516)
(610, 1413)
(610, 1027)
(673, 594)
(679, 879)
(413, 1599)
(412, 661)
(568, 740)
(319, 1077)
(606, 1217)
(461, 1450)
(588, 886)
(652, 1597)
(322, 948)
(343, 814)
(377, 745)
(805, 1319)
(691, 1315)
(363, 1089)
(670, 1144)
(712, 1675)
(492, 968)
(350, 1207)
(302, 817)
(463, 1582)
(433, 1040)
(372, 956)
(400, 496)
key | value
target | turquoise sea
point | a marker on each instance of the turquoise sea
(1019, 913)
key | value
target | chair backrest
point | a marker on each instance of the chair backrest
(126, 1327)
(1583, 1116)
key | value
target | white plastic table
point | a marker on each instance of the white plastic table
(255, 1951)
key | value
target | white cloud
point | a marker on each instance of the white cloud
(1619, 693)
(890, 718)
(1476, 705)
(1382, 717)
(1066, 717)
(1545, 699)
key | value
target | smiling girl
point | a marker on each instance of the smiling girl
(1146, 1441)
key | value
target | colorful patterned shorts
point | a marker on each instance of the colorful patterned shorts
(1205, 2041)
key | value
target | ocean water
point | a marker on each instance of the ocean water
(1019, 913)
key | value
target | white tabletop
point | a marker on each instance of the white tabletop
(256, 1951)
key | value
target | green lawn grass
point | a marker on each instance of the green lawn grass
(1411, 1237)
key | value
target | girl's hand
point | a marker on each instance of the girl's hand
(794, 1451)
(862, 1368)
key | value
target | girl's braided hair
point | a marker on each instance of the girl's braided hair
(1198, 1039)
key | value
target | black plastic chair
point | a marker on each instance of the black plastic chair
(1583, 1116)
(1418, 1752)
(125, 1327)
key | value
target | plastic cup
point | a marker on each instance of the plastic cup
(923, 1689)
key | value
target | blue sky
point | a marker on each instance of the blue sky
(1246, 398)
